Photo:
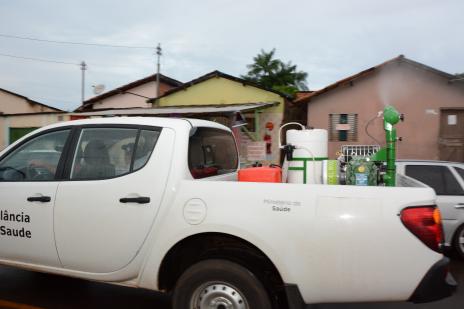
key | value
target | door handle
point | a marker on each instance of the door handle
(139, 200)
(459, 206)
(42, 199)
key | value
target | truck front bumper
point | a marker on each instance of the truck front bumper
(437, 283)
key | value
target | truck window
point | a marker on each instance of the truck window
(110, 152)
(439, 178)
(211, 152)
(145, 144)
(36, 159)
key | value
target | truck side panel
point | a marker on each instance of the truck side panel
(336, 245)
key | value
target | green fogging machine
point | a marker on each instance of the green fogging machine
(374, 166)
(306, 157)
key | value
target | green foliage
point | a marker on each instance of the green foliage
(274, 74)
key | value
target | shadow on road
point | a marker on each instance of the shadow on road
(57, 292)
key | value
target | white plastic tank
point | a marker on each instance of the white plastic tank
(311, 150)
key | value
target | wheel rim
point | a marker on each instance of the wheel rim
(461, 241)
(218, 295)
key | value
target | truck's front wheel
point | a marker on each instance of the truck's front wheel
(219, 284)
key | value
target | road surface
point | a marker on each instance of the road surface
(21, 289)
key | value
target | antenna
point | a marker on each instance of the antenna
(98, 89)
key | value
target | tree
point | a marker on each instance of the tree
(274, 74)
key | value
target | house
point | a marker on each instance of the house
(13, 103)
(431, 100)
(132, 95)
(254, 113)
(20, 115)
(260, 110)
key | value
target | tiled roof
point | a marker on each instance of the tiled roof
(400, 59)
(163, 78)
(303, 94)
(212, 75)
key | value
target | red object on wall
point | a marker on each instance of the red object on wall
(77, 117)
(269, 125)
(260, 174)
(268, 139)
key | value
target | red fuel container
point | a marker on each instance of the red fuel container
(260, 174)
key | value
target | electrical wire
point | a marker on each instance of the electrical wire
(73, 43)
(38, 59)
(367, 132)
(64, 62)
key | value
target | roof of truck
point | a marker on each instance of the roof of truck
(146, 121)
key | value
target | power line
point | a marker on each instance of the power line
(63, 62)
(38, 59)
(72, 43)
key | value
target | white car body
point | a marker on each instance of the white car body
(334, 243)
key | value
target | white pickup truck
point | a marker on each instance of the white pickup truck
(155, 203)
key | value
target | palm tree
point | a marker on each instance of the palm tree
(275, 74)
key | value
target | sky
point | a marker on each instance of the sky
(328, 39)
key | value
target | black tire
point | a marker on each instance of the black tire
(457, 245)
(219, 280)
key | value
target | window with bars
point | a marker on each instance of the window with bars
(343, 127)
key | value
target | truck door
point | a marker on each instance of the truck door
(29, 176)
(117, 178)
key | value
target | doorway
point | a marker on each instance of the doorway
(451, 141)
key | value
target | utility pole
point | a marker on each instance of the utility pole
(83, 68)
(158, 53)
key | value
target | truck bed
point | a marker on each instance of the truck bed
(337, 245)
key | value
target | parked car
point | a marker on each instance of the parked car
(447, 179)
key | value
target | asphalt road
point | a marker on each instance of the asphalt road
(20, 289)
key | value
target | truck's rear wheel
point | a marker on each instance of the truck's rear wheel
(219, 284)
